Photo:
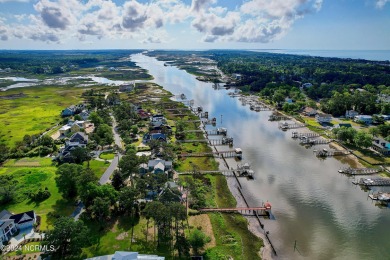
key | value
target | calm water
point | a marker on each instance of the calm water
(377, 55)
(313, 204)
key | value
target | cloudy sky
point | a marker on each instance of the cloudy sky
(195, 24)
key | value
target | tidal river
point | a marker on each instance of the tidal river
(314, 205)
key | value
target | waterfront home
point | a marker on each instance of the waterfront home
(159, 166)
(289, 100)
(154, 136)
(309, 111)
(351, 114)
(381, 145)
(237, 76)
(323, 118)
(363, 118)
(11, 223)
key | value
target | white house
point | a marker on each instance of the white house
(10, 223)
(323, 118)
(363, 118)
(351, 114)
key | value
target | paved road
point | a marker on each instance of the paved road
(114, 163)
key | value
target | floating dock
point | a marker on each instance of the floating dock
(310, 141)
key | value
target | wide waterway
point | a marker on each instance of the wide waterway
(314, 205)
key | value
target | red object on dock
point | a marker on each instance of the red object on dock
(267, 205)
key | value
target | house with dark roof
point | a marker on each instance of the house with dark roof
(381, 145)
(79, 137)
(77, 140)
(69, 111)
(154, 136)
(11, 223)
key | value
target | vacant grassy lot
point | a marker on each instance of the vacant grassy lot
(98, 167)
(29, 175)
(35, 112)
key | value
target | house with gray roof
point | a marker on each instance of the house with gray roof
(11, 223)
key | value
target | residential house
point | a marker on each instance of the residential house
(237, 76)
(351, 114)
(363, 118)
(381, 145)
(289, 100)
(309, 111)
(79, 137)
(64, 130)
(171, 192)
(159, 166)
(77, 126)
(323, 118)
(10, 223)
(69, 111)
(84, 114)
(154, 136)
(77, 140)
(383, 98)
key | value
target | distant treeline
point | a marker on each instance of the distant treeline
(53, 62)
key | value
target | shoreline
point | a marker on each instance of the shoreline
(265, 252)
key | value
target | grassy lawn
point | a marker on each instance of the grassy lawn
(34, 113)
(107, 156)
(31, 179)
(98, 167)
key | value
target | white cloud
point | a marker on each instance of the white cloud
(381, 3)
(199, 5)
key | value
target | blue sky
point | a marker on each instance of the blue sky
(195, 24)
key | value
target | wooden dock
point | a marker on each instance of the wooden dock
(359, 171)
(214, 142)
(219, 154)
(278, 118)
(308, 141)
(227, 173)
(251, 210)
(373, 182)
(286, 126)
(330, 153)
(304, 135)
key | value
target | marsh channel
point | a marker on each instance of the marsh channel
(316, 208)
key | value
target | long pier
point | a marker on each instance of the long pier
(214, 142)
(227, 173)
(241, 210)
(373, 182)
(208, 132)
(226, 154)
(359, 171)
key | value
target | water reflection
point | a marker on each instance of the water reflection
(322, 210)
